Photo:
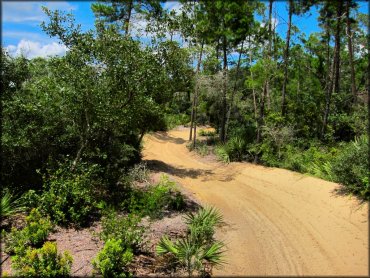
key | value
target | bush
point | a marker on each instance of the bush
(202, 224)
(154, 199)
(198, 249)
(204, 132)
(68, 197)
(174, 120)
(351, 167)
(43, 262)
(222, 153)
(200, 147)
(30, 199)
(139, 173)
(316, 160)
(114, 259)
(235, 148)
(124, 228)
(33, 234)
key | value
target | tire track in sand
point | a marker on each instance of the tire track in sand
(279, 222)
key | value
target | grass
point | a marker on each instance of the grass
(10, 205)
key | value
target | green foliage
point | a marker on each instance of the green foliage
(201, 147)
(34, 233)
(202, 224)
(9, 204)
(30, 199)
(232, 150)
(139, 172)
(127, 229)
(204, 132)
(174, 120)
(43, 262)
(198, 249)
(98, 115)
(153, 200)
(113, 260)
(351, 167)
(235, 148)
(222, 153)
(68, 197)
(192, 256)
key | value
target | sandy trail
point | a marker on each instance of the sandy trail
(278, 222)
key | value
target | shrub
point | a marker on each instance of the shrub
(30, 199)
(9, 204)
(37, 227)
(198, 249)
(222, 153)
(113, 260)
(14, 241)
(174, 120)
(33, 234)
(235, 148)
(315, 160)
(204, 132)
(200, 147)
(139, 172)
(43, 262)
(351, 167)
(68, 196)
(202, 224)
(155, 199)
(124, 228)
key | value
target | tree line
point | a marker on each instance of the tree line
(298, 101)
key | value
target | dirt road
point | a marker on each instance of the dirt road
(279, 222)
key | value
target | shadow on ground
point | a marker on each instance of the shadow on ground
(165, 137)
(342, 192)
(160, 166)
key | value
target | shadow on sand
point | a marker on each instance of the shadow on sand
(165, 137)
(160, 166)
(342, 192)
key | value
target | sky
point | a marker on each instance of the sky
(22, 34)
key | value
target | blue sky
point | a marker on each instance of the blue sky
(21, 32)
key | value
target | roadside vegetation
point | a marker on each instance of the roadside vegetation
(73, 126)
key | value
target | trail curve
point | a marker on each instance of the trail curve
(278, 222)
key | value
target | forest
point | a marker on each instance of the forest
(74, 126)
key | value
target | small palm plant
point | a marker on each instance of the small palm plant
(9, 204)
(202, 224)
(198, 250)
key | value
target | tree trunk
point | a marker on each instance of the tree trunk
(84, 138)
(350, 51)
(260, 118)
(335, 73)
(234, 91)
(193, 111)
(196, 94)
(265, 93)
(286, 57)
(329, 85)
(337, 48)
(224, 89)
(253, 90)
(268, 94)
(127, 20)
(192, 119)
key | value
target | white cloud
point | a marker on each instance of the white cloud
(173, 5)
(32, 49)
(26, 11)
(274, 23)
